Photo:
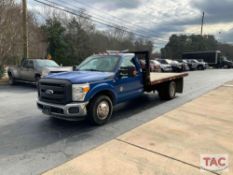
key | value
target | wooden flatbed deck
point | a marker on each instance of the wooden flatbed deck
(156, 78)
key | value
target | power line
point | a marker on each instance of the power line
(71, 11)
(99, 18)
(115, 17)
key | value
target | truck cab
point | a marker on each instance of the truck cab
(31, 70)
(100, 82)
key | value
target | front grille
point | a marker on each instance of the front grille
(74, 110)
(55, 91)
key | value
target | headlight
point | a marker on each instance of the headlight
(44, 73)
(79, 91)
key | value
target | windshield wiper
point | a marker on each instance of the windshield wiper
(90, 70)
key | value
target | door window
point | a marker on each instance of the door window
(127, 62)
(25, 64)
(30, 64)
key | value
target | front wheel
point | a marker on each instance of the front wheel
(11, 80)
(200, 67)
(100, 110)
(167, 91)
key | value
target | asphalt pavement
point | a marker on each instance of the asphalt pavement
(31, 143)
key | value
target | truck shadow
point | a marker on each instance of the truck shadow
(135, 106)
(37, 132)
(19, 86)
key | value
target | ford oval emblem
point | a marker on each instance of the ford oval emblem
(49, 91)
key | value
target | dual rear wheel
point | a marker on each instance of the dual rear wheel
(167, 91)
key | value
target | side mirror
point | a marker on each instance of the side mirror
(128, 71)
(74, 68)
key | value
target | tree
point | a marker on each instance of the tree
(2, 71)
(226, 49)
(78, 40)
(11, 48)
(178, 44)
(57, 45)
(68, 40)
(10, 30)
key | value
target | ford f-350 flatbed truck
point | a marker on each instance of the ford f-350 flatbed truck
(100, 82)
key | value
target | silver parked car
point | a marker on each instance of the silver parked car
(31, 70)
(196, 65)
(165, 65)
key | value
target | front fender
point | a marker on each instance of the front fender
(14, 72)
(101, 88)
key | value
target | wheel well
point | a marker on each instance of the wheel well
(37, 75)
(107, 93)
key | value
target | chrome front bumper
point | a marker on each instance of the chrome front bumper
(71, 111)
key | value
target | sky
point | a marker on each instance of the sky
(159, 19)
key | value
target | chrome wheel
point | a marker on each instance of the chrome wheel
(103, 110)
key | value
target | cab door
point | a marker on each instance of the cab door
(129, 86)
(23, 70)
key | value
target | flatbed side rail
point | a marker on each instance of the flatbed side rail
(169, 78)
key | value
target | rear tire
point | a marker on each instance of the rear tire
(200, 67)
(100, 110)
(167, 91)
(37, 79)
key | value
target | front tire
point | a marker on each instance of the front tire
(11, 79)
(167, 91)
(100, 110)
(200, 67)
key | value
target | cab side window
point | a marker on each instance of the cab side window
(127, 62)
(30, 64)
(25, 64)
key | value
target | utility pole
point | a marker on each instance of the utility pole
(202, 23)
(25, 29)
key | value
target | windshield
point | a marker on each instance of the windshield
(224, 58)
(162, 61)
(106, 63)
(46, 63)
(195, 61)
(169, 61)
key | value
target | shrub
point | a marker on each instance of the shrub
(2, 71)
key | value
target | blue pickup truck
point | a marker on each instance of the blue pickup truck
(100, 82)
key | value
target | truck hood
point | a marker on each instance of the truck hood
(57, 69)
(79, 77)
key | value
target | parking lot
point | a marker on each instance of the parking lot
(32, 143)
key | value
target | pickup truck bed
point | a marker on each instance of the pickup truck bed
(157, 78)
